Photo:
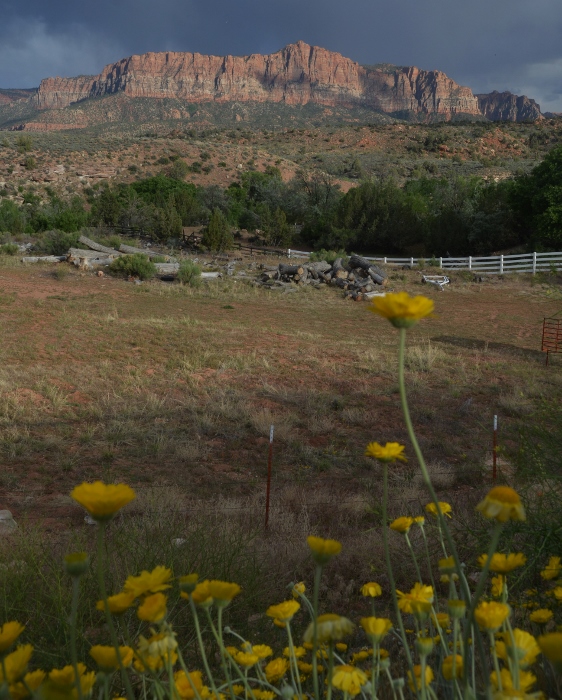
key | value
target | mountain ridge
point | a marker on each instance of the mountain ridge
(298, 74)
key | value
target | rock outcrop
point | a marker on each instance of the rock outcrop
(296, 75)
(507, 107)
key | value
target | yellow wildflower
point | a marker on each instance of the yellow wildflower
(491, 616)
(557, 592)
(402, 524)
(276, 669)
(541, 616)
(371, 590)
(285, 611)
(188, 584)
(442, 620)
(348, 679)
(61, 683)
(551, 647)
(298, 652)
(525, 681)
(447, 565)
(106, 657)
(246, 659)
(447, 667)
(552, 569)
(420, 520)
(522, 647)
(9, 632)
(153, 608)
(187, 684)
(16, 663)
(299, 589)
(419, 598)
(260, 694)
(30, 682)
(330, 628)
(359, 656)
(503, 563)
(376, 627)
(340, 646)
(118, 603)
(101, 500)
(498, 585)
(223, 592)
(304, 667)
(323, 550)
(262, 651)
(402, 310)
(416, 683)
(201, 594)
(502, 504)
(148, 582)
(238, 689)
(445, 508)
(386, 453)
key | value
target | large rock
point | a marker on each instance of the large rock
(7, 523)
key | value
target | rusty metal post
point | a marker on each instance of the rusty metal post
(268, 491)
(495, 450)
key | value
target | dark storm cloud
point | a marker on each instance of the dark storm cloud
(485, 44)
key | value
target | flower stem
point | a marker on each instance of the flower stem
(73, 616)
(315, 596)
(103, 593)
(202, 646)
(389, 569)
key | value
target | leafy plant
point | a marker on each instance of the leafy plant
(9, 249)
(136, 265)
(189, 273)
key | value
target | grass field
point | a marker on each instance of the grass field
(173, 390)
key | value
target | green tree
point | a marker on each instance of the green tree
(24, 143)
(537, 201)
(217, 235)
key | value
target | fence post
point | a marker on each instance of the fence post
(385, 261)
(441, 263)
(470, 262)
(289, 253)
(534, 263)
(412, 262)
(501, 264)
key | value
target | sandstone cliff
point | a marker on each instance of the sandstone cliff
(296, 75)
(299, 74)
(507, 107)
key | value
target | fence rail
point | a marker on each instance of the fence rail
(491, 264)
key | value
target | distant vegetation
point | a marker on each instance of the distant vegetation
(429, 214)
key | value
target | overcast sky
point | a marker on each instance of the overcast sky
(487, 45)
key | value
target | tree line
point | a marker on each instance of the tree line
(429, 215)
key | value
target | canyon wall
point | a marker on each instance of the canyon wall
(296, 75)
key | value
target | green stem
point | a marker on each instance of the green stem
(428, 558)
(390, 571)
(389, 676)
(427, 480)
(293, 660)
(73, 616)
(103, 593)
(202, 646)
(413, 557)
(495, 659)
(315, 596)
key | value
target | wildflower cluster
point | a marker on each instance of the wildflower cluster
(448, 636)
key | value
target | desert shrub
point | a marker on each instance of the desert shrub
(328, 255)
(189, 273)
(58, 242)
(136, 265)
(217, 235)
(30, 163)
(159, 259)
(9, 249)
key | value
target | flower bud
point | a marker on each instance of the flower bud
(287, 692)
(424, 645)
(188, 583)
(76, 564)
(398, 683)
(456, 608)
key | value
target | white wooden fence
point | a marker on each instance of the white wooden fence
(495, 264)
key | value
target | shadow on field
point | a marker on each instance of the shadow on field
(485, 346)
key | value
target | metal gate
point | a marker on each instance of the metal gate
(551, 336)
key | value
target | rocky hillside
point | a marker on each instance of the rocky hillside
(297, 76)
